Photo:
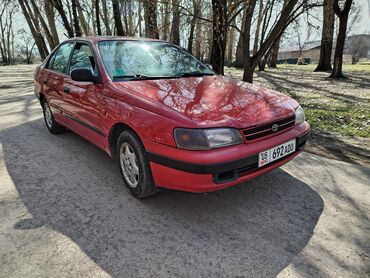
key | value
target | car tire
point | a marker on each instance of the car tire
(134, 165)
(51, 124)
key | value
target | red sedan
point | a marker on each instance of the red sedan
(169, 120)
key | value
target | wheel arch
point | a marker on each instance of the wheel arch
(114, 134)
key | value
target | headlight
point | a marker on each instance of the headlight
(299, 115)
(205, 139)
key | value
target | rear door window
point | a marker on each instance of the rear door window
(59, 62)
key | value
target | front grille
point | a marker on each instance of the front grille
(267, 129)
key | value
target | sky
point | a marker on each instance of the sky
(363, 26)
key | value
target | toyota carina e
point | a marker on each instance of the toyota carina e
(167, 118)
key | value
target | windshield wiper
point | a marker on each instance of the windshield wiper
(147, 77)
(132, 77)
(139, 77)
(194, 73)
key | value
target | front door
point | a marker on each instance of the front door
(82, 98)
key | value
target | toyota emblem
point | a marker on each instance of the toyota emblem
(275, 127)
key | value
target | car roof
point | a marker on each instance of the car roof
(105, 38)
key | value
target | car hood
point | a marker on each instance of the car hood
(215, 100)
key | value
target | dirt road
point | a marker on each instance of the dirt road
(65, 213)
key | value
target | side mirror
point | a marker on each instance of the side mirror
(84, 75)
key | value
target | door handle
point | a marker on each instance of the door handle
(66, 89)
(45, 81)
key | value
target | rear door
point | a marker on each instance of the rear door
(52, 79)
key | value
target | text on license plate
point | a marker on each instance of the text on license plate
(275, 153)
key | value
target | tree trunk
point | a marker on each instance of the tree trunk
(139, 19)
(175, 29)
(50, 16)
(262, 64)
(84, 25)
(165, 21)
(106, 18)
(259, 21)
(343, 19)
(150, 18)
(39, 40)
(239, 63)
(249, 64)
(274, 50)
(326, 37)
(219, 35)
(48, 35)
(130, 29)
(197, 45)
(59, 7)
(196, 8)
(277, 30)
(98, 28)
(230, 46)
(75, 19)
(117, 18)
(273, 55)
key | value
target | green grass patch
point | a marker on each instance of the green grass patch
(311, 67)
(343, 120)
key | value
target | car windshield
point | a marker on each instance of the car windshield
(135, 60)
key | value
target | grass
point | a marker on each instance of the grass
(347, 68)
(347, 121)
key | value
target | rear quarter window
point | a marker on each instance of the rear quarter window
(59, 60)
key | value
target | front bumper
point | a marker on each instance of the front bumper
(206, 171)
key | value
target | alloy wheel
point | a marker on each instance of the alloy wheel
(129, 165)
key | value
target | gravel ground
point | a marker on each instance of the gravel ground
(65, 213)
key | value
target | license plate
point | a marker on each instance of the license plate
(275, 153)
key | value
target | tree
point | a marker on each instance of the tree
(76, 21)
(175, 30)
(150, 17)
(198, 34)
(34, 28)
(326, 37)
(290, 11)
(239, 63)
(274, 50)
(7, 10)
(27, 46)
(117, 18)
(230, 45)
(197, 13)
(58, 4)
(219, 8)
(223, 15)
(105, 18)
(357, 48)
(342, 15)
(50, 16)
(257, 33)
(165, 20)
(97, 9)
(300, 40)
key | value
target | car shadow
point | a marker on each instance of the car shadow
(70, 186)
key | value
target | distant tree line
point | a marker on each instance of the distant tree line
(242, 33)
